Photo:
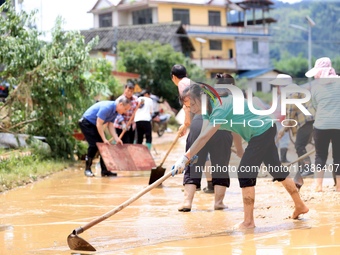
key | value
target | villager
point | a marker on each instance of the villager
(219, 154)
(261, 148)
(325, 99)
(93, 123)
(303, 130)
(143, 118)
(122, 119)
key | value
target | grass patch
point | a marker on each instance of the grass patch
(18, 171)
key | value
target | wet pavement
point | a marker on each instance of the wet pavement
(37, 218)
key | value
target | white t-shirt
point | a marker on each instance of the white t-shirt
(155, 103)
(144, 112)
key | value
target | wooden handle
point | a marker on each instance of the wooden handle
(123, 205)
(302, 157)
(167, 153)
(128, 124)
(129, 201)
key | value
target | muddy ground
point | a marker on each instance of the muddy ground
(37, 218)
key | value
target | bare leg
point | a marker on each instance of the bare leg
(337, 183)
(300, 207)
(319, 180)
(219, 196)
(248, 194)
(189, 193)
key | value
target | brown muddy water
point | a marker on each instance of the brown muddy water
(37, 218)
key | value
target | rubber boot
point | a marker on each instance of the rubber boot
(283, 154)
(104, 170)
(148, 145)
(209, 189)
(88, 164)
(189, 192)
(219, 196)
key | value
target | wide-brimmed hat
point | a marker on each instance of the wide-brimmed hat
(323, 64)
(282, 80)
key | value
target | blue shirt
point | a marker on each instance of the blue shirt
(246, 125)
(105, 110)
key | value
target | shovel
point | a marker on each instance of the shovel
(79, 244)
(159, 171)
(298, 176)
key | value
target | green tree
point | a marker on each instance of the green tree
(153, 62)
(52, 80)
(294, 66)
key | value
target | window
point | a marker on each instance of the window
(231, 53)
(105, 20)
(215, 45)
(142, 17)
(214, 18)
(259, 86)
(182, 15)
(255, 46)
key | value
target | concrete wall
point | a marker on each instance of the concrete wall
(246, 59)
(264, 79)
(198, 13)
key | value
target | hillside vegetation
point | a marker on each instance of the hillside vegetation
(291, 43)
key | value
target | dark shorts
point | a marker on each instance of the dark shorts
(218, 148)
(261, 149)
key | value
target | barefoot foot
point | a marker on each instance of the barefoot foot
(220, 206)
(184, 208)
(298, 211)
(243, 226)
(318, 188)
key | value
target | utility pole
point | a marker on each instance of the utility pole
(311, 24)
(201, 41)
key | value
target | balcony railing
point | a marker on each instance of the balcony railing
(216, 63)
(249, 30)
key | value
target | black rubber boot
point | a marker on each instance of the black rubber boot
(105, 172)
(88, 164)
(283, 154)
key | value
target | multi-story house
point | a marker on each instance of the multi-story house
(227, 36)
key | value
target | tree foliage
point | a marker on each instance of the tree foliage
(51, 81)
(289, 42)
(153, 62)
(294, 66)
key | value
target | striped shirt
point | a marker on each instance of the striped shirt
(325, 99)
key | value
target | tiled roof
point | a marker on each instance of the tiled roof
(161, 32)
